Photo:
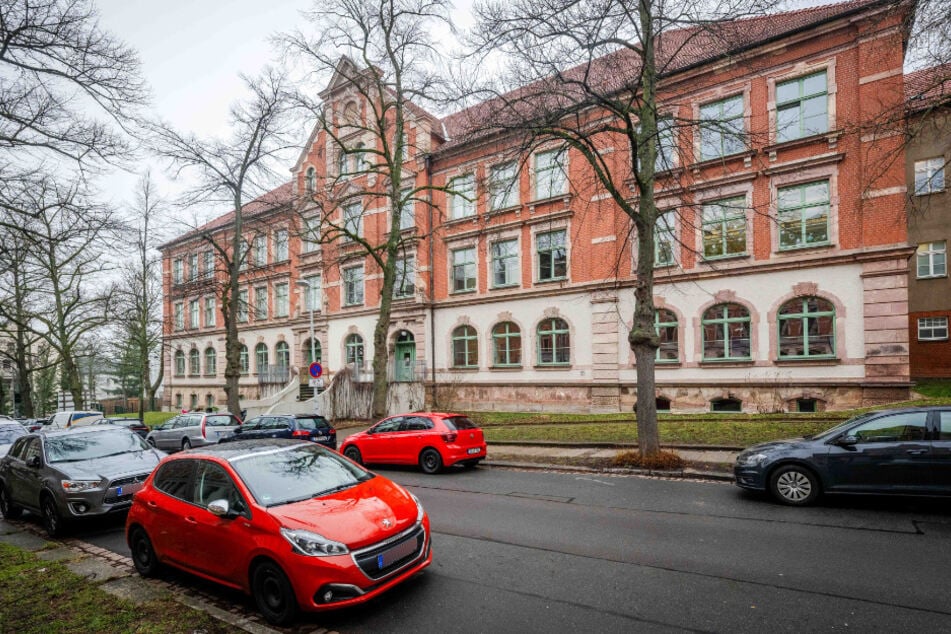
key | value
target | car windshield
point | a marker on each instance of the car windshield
(92, 445)
(456, 423)
(220, 421)
(834, 431)
(11, 433)
(296, 473)
(312, 422)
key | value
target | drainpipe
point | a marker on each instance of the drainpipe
(432, 271)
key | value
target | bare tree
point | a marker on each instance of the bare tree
(388, 67)
(232, 172)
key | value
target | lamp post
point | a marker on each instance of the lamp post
(311, 300)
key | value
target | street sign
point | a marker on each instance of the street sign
(316, 369)
(316, 383)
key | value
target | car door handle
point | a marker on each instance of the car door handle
(916, 452)
(191, 520)
(152, 504)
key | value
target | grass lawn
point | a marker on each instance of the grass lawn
(151, 418)
(44, 597)
(934, 389)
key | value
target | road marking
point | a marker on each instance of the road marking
(593, 480)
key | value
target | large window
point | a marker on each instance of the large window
(209, 258)
(210, 312)
(354, 351)
(929, 176)
(462, 198)
(726, 333)
(551, 174)
(806, 328)
(552, 255)
(179, 363)
(802, 107)
(312, 296)
(505, 263)
(193, 313)
(465, 347)
(261, 358)
(179, 316)
(464, 270)
(312, 355)
(506, 345)
(932, 259)
(554, 342)
(177, 275)
(666, 144)
(353, 285)
(281, 300)
(353, 221)
(194, 362)
(259, 250)
(503, 186)
(280, 245)
(193, 267)
(721, 128)
(665, 322)
(242, 307)
(803, 215)
(244, 359)
(407, 209)
(405, 283)
(260, 302)
(310, 234)
(665, 240)
(211, 361)
(283, 353)
(932, 328)
(724, 228)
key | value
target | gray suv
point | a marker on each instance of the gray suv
(196, 429)
(74, 473)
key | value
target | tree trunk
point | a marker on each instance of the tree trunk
(381, 383)
(72, 381)
(22, 368)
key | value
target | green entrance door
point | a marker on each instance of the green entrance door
(405, 356)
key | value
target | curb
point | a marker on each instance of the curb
(684, 474)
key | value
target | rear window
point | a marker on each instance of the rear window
(459, 422)
(221, 420)
(8, 433)
(313, 422)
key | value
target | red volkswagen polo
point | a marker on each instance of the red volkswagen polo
(293, 524)
(431, 440)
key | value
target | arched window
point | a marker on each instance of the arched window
(260, 358)
(806, 328)
(244, 359)
(726, 333)
(354, 351)
(465, 347)
(179, 363)
(506, 345)
(211, 361)
(308, 357)
(554, 342)
(310, 180)
(193, 402)
(283, 353)
(194, 362)
(726, 405)
(665, 323)
(209, 401)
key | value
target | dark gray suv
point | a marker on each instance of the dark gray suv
(75, 473)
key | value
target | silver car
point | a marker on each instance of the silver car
(196, 429)
(75, 473)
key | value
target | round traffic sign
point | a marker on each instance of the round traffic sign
(316, 369)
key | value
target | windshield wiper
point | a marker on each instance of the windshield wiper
(335, 489)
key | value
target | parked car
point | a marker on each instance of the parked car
(133, 424)
(34, 424)
(312, 427)
(903, 451)
(291, 523)
(66, 475)
(74, 418)
(9, 431)
(195, 429)
(431, 440)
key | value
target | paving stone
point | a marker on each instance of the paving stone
(58, 554)
(26, 541)
(134, 589)
(96, 570)
(7, 527)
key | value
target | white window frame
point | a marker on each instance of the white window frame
(517, 257)
(353, 220)
(179, 311)
(209, 264)
(462, 198)
(259, 250)
(934, 257)
(260, 303)
(210, 312)
(243, 307)
(312, 297)
(932, 329)
(455, 260)
(310, 234)
(503, 186)
(925, 172)
(282, 299)
(178, 275)
(548, 183)
(353, 285)
(194, 311)
(405, 269)
(280, 245)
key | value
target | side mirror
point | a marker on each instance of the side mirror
(33, 462)
(236, 430)
(219, 508)
(847, 441)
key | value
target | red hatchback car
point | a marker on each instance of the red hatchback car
(431, 440)
(293, 524)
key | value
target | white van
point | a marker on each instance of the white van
(73, 418)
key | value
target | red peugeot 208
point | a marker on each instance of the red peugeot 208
(294, 524)
(430, 439)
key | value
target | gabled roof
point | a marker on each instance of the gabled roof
(928, 87)
(264, 203)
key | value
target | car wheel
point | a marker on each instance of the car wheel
(186, 444)
(794, 485)
(273, 594)
(430, 461)
(143, 555)
(52, 522)
(8, 509)
(353, 453)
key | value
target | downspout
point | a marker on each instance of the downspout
(432, 271)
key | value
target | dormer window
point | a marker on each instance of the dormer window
(310, 180)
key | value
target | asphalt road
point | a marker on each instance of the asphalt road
(552, 552)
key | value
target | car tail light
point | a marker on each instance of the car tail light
(300, 433)
(203, 427)
(451, 437)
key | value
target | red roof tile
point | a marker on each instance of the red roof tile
(928, 87)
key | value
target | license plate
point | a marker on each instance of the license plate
(400, 551)
(474, 450)
(320, 438)
(129, 489)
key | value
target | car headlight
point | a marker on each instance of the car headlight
(312, 544)
(751, 460)
(76, 486)
(419, 508)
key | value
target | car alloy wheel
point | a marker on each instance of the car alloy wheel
(143, 555)
(7, 508)
(794, 485)
(273, 594)
(51, 519)
(353, 453)
(430, 461)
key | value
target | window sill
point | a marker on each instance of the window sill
(719, 160)
(473, 217)
(936, 191)
(468, 291)
(932, 277)
(667, 364)
(552, 366)
(829, 135)
(726, 363)
(553, 280)
(502, 287)
(927, 341)
(807, 361)
(806, 247)
(352, 305)
(473, 368)
(505, 368)
(721, 258)
(504, 210)
(550, 199)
